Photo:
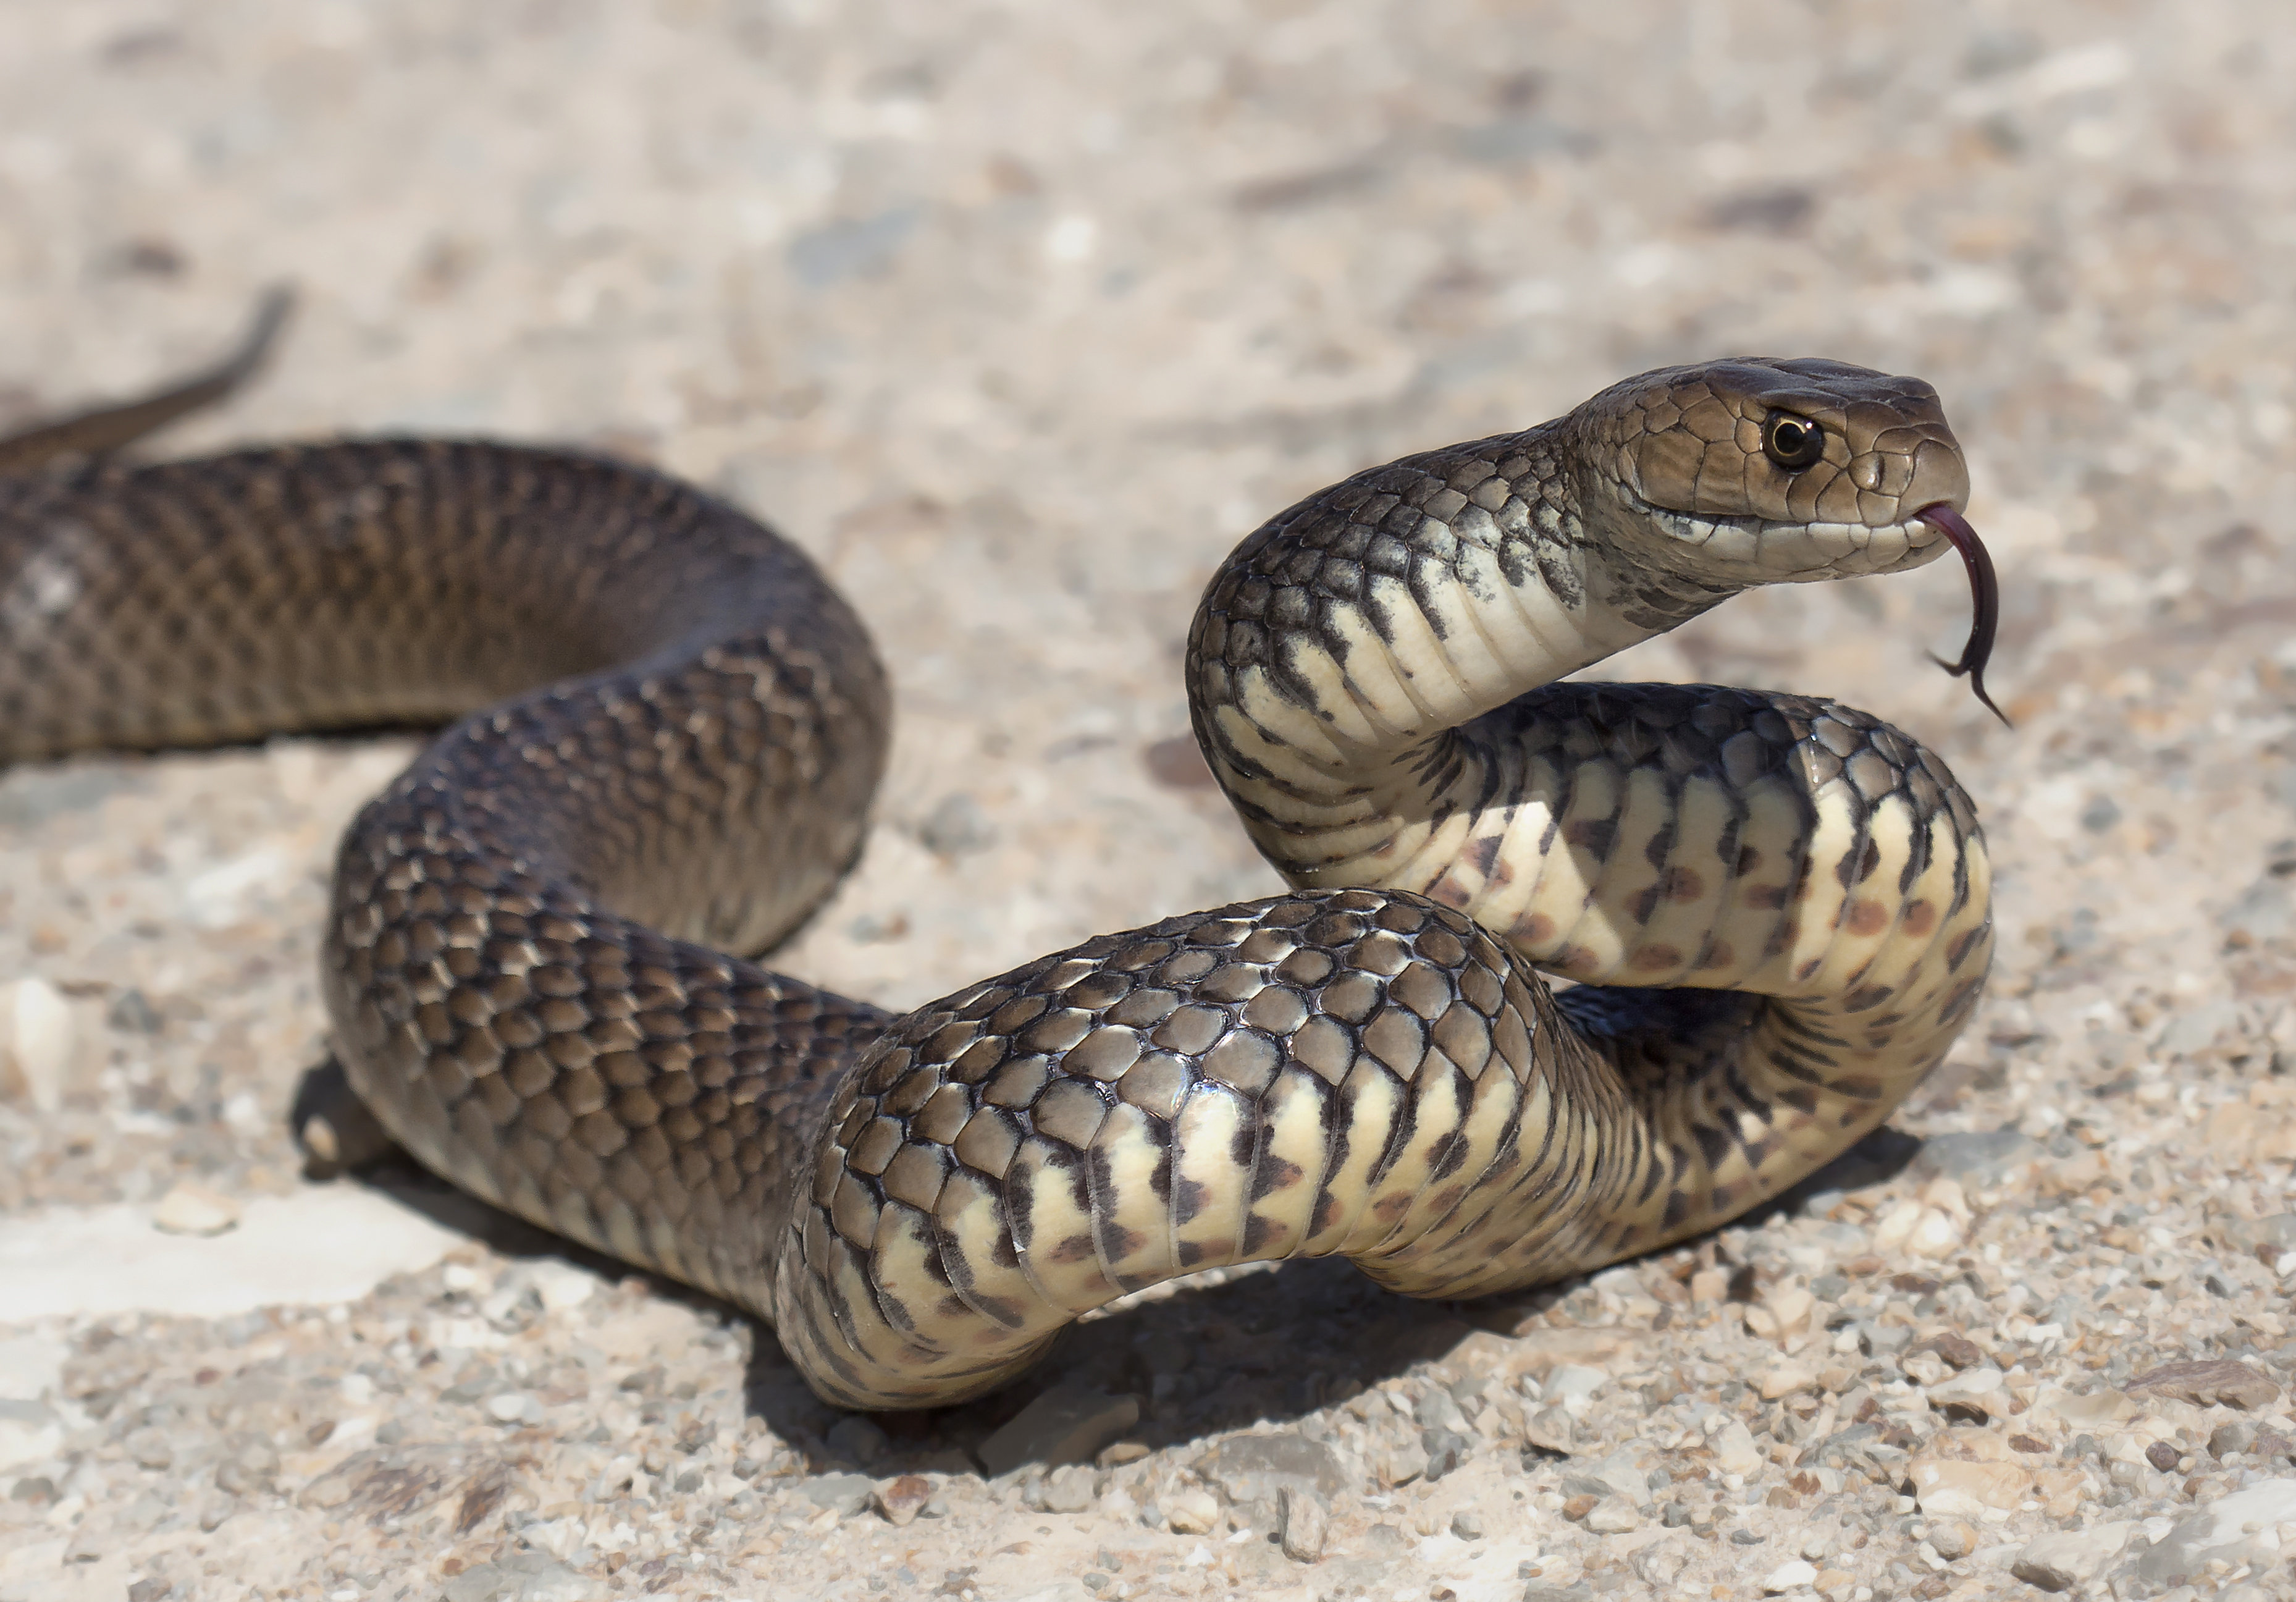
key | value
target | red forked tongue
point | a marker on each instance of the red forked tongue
(1984, 598)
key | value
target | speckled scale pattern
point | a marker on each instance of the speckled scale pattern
(1778, 908)
(1328, 1071)
(503, 967)
(1410, 522)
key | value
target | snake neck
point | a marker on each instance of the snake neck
(1365, 663)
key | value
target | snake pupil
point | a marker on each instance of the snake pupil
(1792, 443)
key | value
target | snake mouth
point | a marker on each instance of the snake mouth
(1984, 602)
(1776, 551)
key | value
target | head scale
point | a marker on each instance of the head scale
(1763, 470)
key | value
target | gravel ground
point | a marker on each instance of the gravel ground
(1017, 315)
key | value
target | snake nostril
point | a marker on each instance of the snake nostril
(1882, 472)
(1940, 476)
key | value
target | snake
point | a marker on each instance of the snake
(1567, 970)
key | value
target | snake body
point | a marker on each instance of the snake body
(1776, 907)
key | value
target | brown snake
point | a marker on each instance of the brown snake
(526, 965)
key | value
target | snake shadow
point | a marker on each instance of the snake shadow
(1201, 1357)
(1217, 1352)
(1222, 1351)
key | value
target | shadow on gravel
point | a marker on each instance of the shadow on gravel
(1879, 1157)
(1265, 1343)
(1213, 1355)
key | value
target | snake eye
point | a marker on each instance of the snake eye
(1792, 443)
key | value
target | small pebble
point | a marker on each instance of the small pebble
(36, 1042)
(1068, 1489)
(1614, 1515)
(514, 1407)
(1304, 1524)
(900, 1500)
(1953, 1540)
(1789, 1577)
(1193, 1512)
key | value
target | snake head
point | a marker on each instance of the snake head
(1758, 471)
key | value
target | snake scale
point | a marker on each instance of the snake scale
(1776, 909)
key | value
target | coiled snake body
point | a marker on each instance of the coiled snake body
(526, 965)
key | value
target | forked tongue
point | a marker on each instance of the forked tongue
(1984, 599)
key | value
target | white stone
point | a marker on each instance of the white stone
(1925, 1231)
(561, 1538)
(1734, 1452)
(1570, 1382)
(561, 1285)
(467, 1334)
(514, 1407)
(325, 1244)
(1789, 1307)
(1192, 1513)
(1950, 1488)
(1789, 1577)
(36, 1035)
(1619, 1472)
(1934, 1235)
(1894, 1227)
(1947, 1196)
(191, 1207)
